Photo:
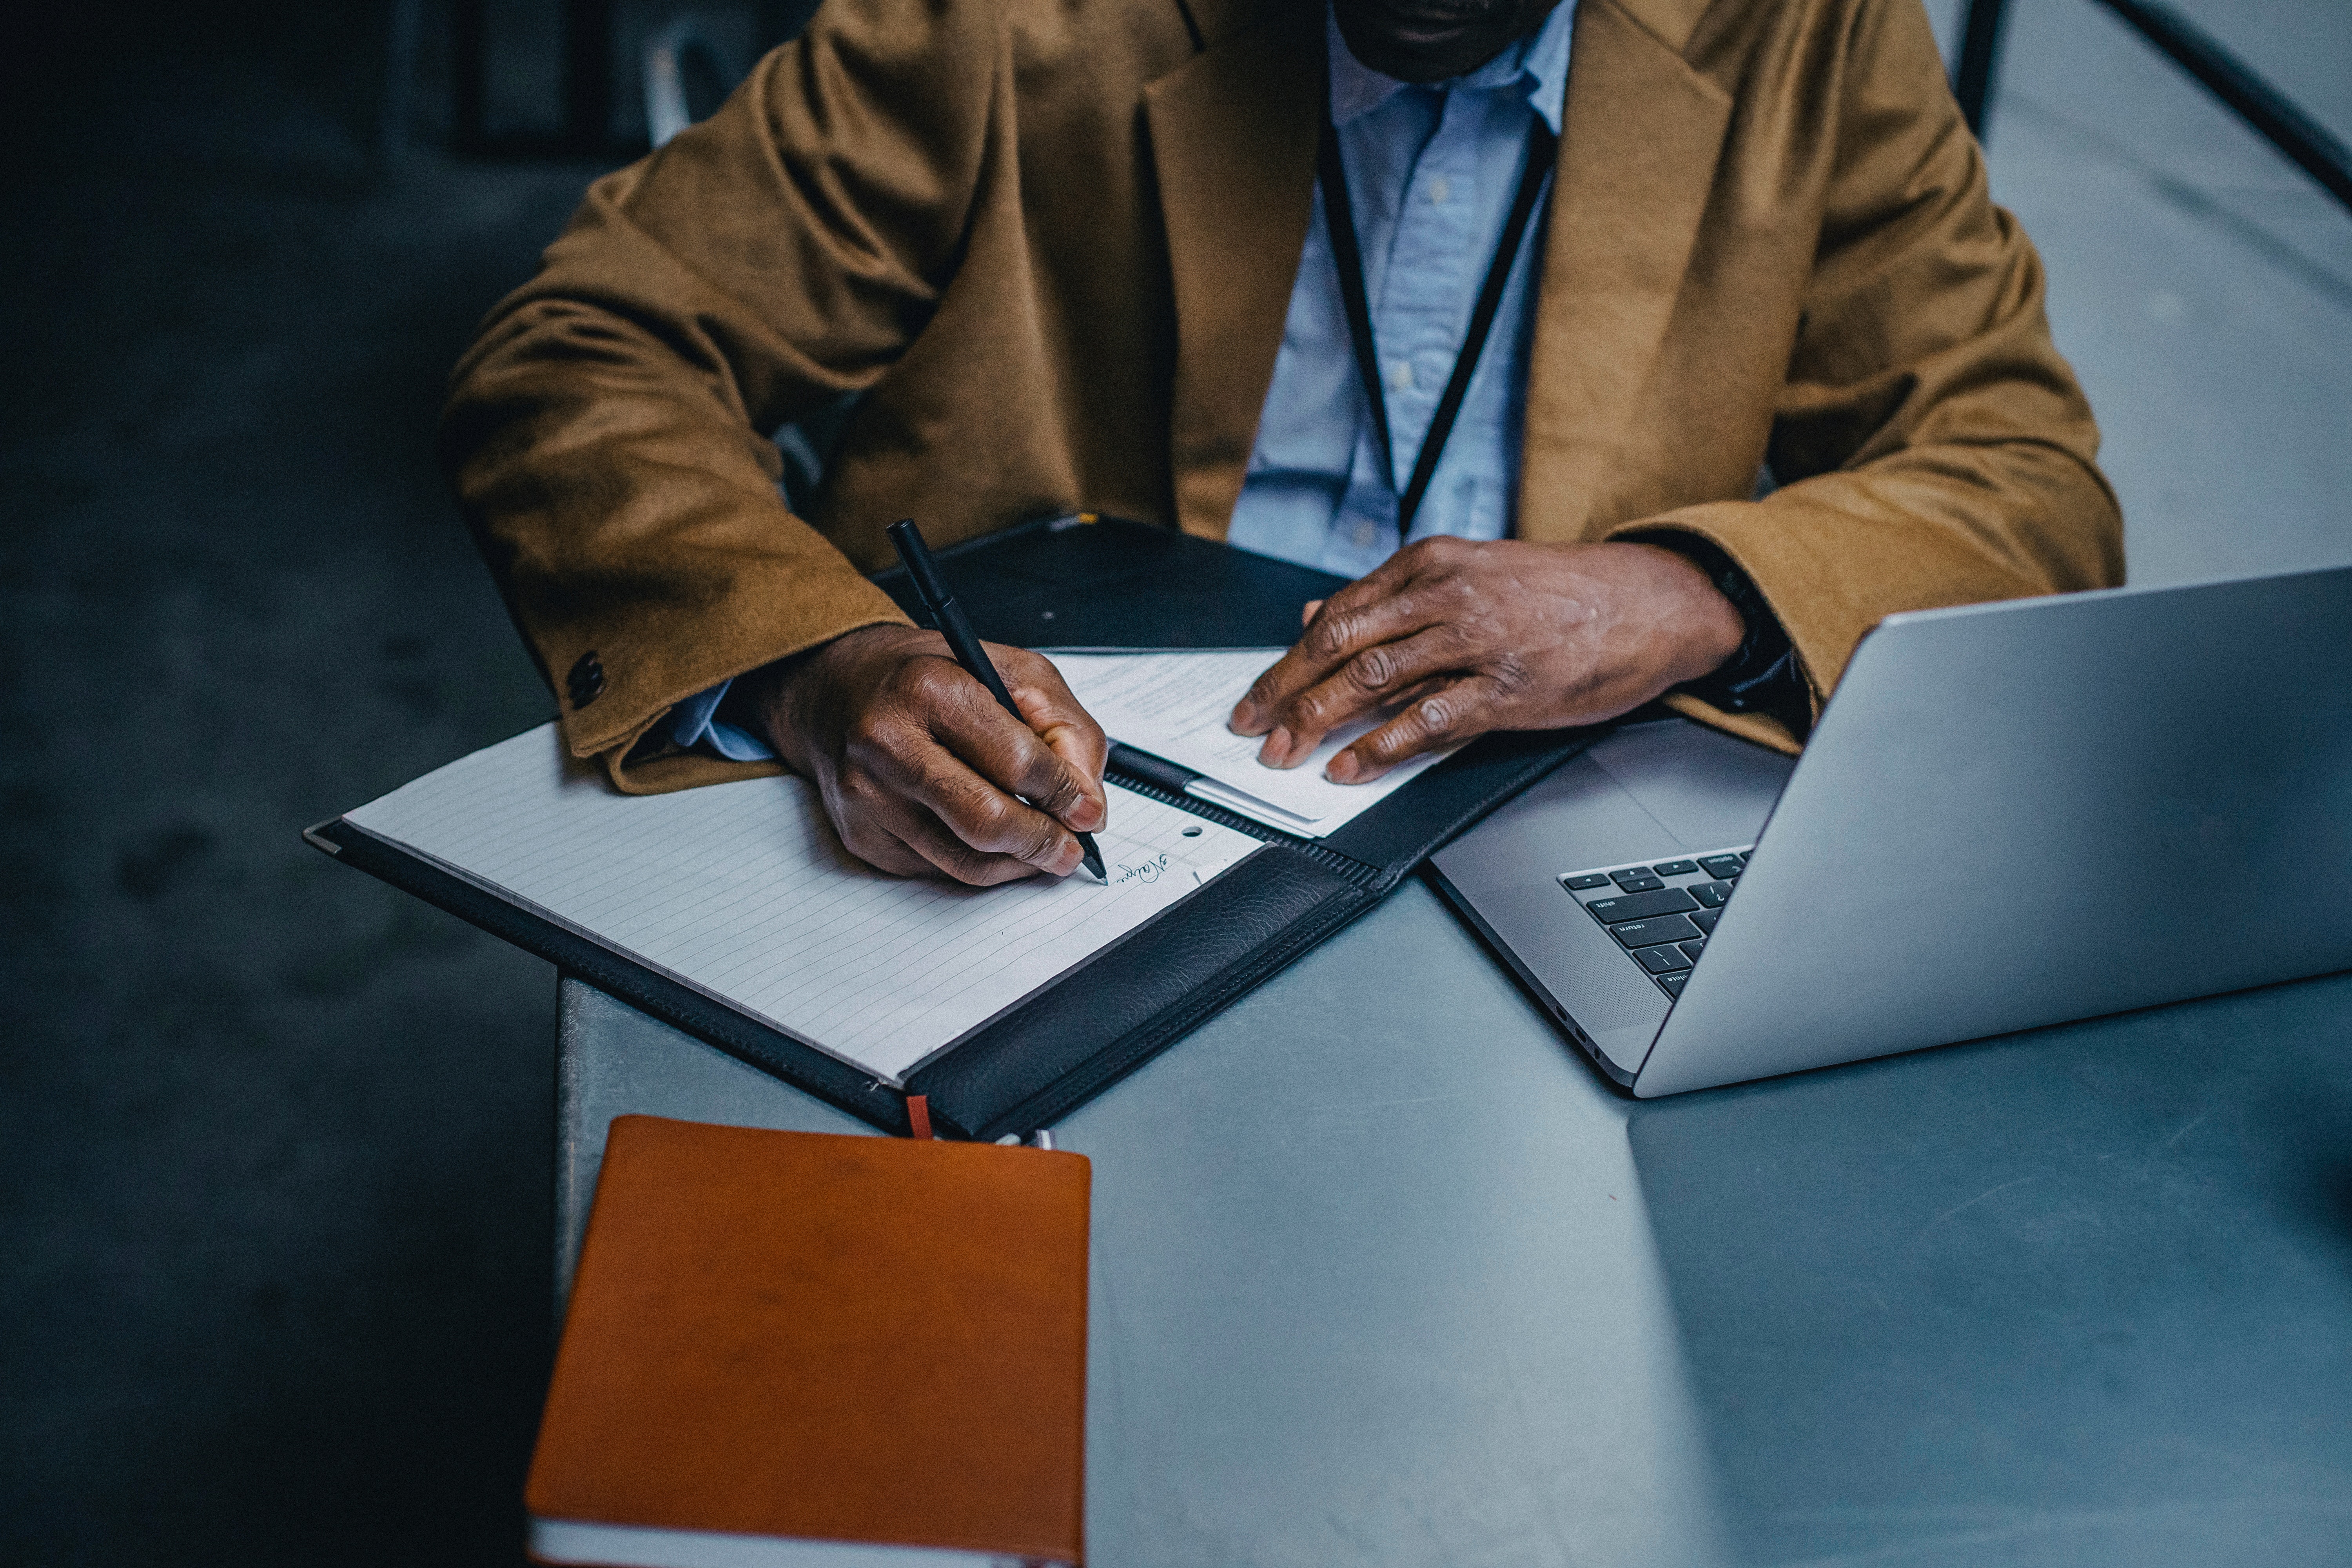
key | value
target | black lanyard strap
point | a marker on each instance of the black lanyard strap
(1339, 220)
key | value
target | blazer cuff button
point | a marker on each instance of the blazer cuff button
(586, 682)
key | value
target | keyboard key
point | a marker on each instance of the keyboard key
(1704, 920)
(1642, 906)
(1636, 880)
(1710, 894)
(1650, 932)
(1723, 867)
(1673, 984)
(1661, 960)
(1675, 867)
(1584, 884)
(1691, 949)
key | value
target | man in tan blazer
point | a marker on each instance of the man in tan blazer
(1051, 245)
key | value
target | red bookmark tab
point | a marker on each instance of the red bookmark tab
(918, 1112)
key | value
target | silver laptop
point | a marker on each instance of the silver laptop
(2010, 815)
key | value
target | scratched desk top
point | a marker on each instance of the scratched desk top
(1382, 1273)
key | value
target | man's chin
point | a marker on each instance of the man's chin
(1423, 43)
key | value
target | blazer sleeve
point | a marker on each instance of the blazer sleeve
(608, 432)
(1930, 445)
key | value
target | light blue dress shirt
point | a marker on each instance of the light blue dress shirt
(1431, 173)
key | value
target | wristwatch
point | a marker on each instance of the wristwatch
(1762, 677)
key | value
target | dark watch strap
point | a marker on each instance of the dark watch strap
(1763, 676)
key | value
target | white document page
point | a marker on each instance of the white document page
(742, 891)
(1174, 705)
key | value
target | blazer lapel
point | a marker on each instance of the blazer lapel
(1232, 144)
(1641, 136)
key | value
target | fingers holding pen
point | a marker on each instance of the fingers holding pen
(972, 830)
(993, 781)
(921, 771)
(882, 827)
(1072, 793)
(926, 798)
(974, 658)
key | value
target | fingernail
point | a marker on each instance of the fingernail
(1089, 815)
(1342, 769)
(1245, 719)
(1275, 753)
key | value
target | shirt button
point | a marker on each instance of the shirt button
(1439, 190)
(1400, 375)
(1364, 534)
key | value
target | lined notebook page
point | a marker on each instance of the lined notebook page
(1175, 705)
(742, 891)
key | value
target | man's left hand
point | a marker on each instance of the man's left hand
(1460, 637)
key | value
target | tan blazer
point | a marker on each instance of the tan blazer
(1053, 242)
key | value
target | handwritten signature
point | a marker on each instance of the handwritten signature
(1147, 872)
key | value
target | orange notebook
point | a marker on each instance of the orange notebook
(796, 1348)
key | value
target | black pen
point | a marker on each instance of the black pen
(948, 618)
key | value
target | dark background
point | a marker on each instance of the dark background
(275, 1142)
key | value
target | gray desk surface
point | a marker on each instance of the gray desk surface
(1383, 1274)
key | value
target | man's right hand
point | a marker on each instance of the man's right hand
(917, 764)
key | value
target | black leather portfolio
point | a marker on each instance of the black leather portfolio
(1079, 582)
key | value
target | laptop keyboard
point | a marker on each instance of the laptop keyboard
(1661, 912)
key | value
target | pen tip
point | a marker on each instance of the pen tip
(1091, 858)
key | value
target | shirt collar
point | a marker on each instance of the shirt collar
(1539, 63)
